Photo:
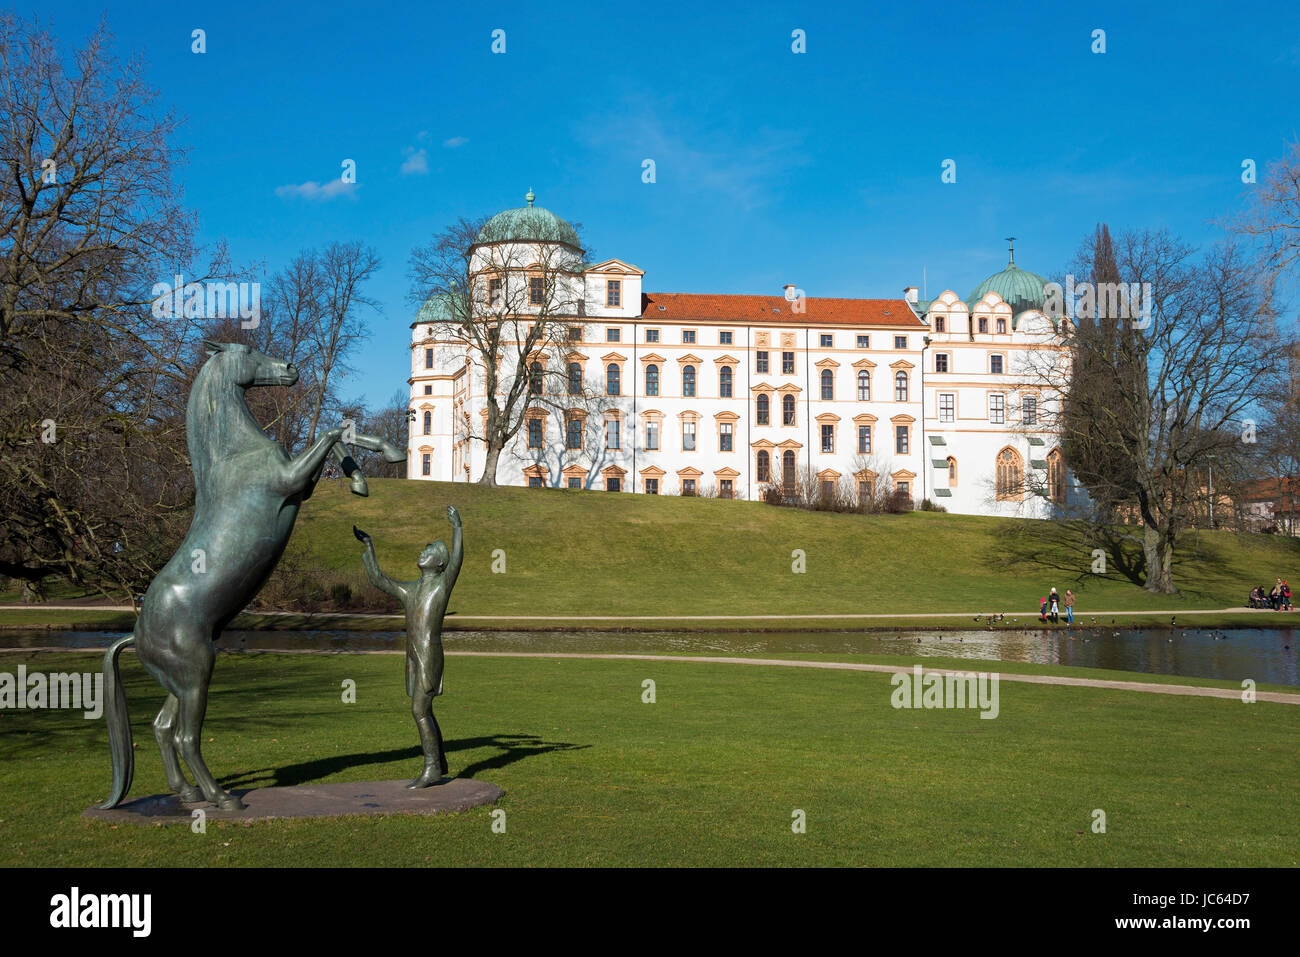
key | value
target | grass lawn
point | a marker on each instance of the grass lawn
(580, 553)
(708, 775)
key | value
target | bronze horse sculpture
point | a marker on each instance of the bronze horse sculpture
(247, 495)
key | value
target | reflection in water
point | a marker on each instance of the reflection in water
(1268, 655)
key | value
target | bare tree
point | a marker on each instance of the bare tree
(1273, 217)
(1165, 393)
(92, 409)
(518, 310)
(334, 326)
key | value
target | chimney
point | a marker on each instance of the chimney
(789, 291)
(910, 294)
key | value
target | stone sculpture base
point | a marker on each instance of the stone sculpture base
(312, 800)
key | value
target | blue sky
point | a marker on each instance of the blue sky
(820, 169)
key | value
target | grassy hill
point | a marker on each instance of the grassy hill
(583, 553)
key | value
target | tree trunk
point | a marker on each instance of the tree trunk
(489, 477)
(1158, 546)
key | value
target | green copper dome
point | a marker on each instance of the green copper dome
(1019, 288)
(529, 223)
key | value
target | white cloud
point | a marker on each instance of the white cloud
(455, 141)
(416, 162)
(317, 192)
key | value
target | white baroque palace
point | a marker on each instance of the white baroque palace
(724, 394)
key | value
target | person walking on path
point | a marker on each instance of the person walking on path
(1286, 596)
(1275, 596)
(1069, 607)
(1055, 600)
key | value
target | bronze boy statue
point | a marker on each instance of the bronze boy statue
(425, 602)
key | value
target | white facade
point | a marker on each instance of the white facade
(854, 390)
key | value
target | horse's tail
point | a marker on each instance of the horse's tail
(119, 724)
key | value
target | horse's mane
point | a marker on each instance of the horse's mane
(214, 426)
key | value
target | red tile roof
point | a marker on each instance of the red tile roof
(686, 306)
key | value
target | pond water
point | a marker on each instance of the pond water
(1268, 655)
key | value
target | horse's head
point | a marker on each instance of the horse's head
(247, 367)
(434, 558)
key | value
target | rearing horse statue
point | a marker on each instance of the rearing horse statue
(247, 495)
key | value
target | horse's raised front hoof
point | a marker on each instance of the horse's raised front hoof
(229, 802)
(392, 454)
(359, 486)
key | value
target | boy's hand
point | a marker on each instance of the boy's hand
(453, 516)
(362, 537)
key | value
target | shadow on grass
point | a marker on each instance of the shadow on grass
(511, 748)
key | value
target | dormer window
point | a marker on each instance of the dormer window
(939, 323)
(984, 323)
(1002, 325)
(614, 293)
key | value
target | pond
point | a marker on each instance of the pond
(1267, 655)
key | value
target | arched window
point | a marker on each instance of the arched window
(652, 380)
(764, 466)
(611, 379)
(828, 384)
(724, 382)
(535, 379)
(787, 470)
(864, 386)
(762, 410)
(787, 409)
(688, 381)
(900, 386)
(428, 423)
(1010, 475)
(575, 378)
(1056, 476)
(952, 472)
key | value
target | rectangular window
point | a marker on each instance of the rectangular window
(613, 484)
(614, 292)
(940, 322)
(941, 362)
(827, 341)
(612, 434)
(984, 324)
(652, 436)
(428, 358)
(652, 486)
(828, 437)
(536, 290)
(534, 481)
(760, 361)
(1002, 325)
(494, 292)
(613, 335)
(724, 489)
(652, 335)
(688, 336)
(724, 338)
(900, 440)
(828, 488)
(864, 342)
(787, 363)
(995, 365)
(1029, 410)
(534, 433)
(688, 436)
(905, 488)
(724, 437)
(997, 408)
(688, 486)
(573, 434)
(574, 481)
(575, 333)
(428, 390)
(947, 406)
(900, 342)
(864, 439)
(426, 463)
